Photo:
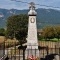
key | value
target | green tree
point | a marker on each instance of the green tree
(48, 33)
(39, 34)
(57, 32)
(2, 31)
(17, 27)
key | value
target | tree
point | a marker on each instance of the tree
(2, 31)
(39, 34)
(17, 26)
(48, 33)
(57, 32)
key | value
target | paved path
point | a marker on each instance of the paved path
(1, 53)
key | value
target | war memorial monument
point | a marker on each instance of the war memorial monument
(32, 40)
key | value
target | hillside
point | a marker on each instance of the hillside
(45, 17)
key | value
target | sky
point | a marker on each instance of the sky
(8, 4)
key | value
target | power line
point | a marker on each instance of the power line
(47, 6)
(35, 4)
(20, 1)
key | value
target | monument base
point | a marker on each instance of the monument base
(32, 52)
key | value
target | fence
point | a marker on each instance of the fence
(11, 51)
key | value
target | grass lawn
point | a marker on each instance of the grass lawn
(2, 39)
(55, 39)
(52, 40)
(8, 42)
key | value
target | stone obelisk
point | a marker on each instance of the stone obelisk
(32, 40)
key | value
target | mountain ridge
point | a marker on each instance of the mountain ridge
(45, 17)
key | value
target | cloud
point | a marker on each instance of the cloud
(8, 4)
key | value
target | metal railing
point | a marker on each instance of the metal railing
(10, 50)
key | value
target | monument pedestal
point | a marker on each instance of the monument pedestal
(31, 50)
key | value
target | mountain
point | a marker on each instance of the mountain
(45, 17)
